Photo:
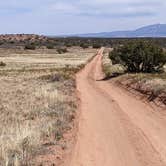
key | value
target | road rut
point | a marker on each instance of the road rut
(115, 128)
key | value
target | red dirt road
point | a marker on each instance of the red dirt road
(115, 128)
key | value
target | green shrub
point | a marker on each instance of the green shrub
(139, 56)
(96, 45)
(11, 42)
(1, 42)
(62, 50)
(84, 46)
(30, 47)
(50, 46)
(2, 64)
(68, 45)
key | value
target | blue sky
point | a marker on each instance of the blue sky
(53, 17)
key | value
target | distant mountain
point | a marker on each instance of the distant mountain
(157, 30)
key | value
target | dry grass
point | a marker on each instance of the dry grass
(32, 109)
(48, 59)
(109, 69)
(37, 106)
(151, 85)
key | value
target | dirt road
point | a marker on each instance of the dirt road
(115, 128)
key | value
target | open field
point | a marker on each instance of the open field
(39, 59)
(37, 103)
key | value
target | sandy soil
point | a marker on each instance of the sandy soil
(115, 128)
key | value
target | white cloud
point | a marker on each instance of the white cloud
(64, 16)
(61, 6)
(110, 7)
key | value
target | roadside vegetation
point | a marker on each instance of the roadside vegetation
(109, 69)
(151, 86)
(140, 56)
(141, 67)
